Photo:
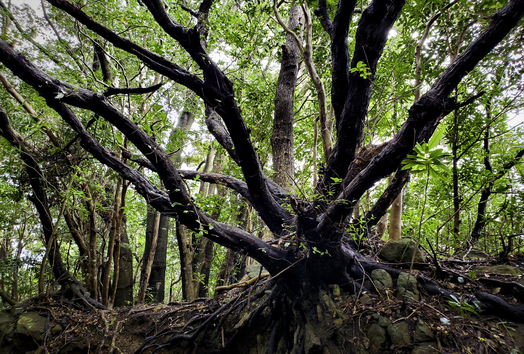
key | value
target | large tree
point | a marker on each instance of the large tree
(316, 249)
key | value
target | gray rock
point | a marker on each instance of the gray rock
(56, 330)
(382, 321)
(31, 324)
(423, 333)
(473, 254)
(401, 251)
(407, 287)
(377, 338)
(399, 333)
(382, 280)
(500, 269)
(6, 323)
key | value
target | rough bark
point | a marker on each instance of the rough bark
(124, 287)
(317, 227)
(114, 233)
(155, 291)
(455, 176)
(371, 37)
(282, 134)
(148, 258)
(423, 116)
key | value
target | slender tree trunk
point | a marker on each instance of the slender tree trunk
(184, 239)
(456, 195)
(395, 218)
(70, 287)
(157, 279)
(282, 134)
(382, 225)
(120, 227)
(124, 288)
(485, 194)
(231, 269)
(113, 235)
(203, 252)
(147, 264)
(92, 256)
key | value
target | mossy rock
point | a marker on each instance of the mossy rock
(501, 269)
(31, 324)
(401, 251)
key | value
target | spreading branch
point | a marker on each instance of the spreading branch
(371, 37)
(111, 91)
(424, 116)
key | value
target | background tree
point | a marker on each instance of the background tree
(376, 123)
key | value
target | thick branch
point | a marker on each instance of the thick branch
(40, 200)
(424, 116)
(111, 91)
(371, 37)
(154, 61)
(322, 13)
(340, 55)
(177, 203)
(216, 90)
(235, 184)
(191, 41)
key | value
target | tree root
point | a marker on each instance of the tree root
(152, 343)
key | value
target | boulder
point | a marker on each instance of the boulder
(399, 334)
(423, 333)
(31, 324)
(381, 280)
(500, 269)
(401, 251)
(377, 338)
(473, 254)
(407, 287)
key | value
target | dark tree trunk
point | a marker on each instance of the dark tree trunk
(124, 288)
(185, 248)
(456, 195)
(282, 134)
(318, 252)
(157, 278)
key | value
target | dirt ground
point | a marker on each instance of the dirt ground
(456, 326)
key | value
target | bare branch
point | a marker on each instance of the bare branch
(340, 54)
(154, 61)
(371, 37)
(424, 116)
(111, 91)
(322, 13)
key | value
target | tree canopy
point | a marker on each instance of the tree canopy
(302, 111)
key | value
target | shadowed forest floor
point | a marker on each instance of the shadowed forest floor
(365, 323)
